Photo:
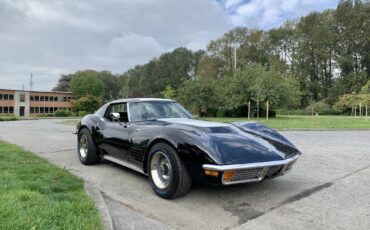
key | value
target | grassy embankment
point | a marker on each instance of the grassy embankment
(35, 194)
(307, 122)
(295, 122)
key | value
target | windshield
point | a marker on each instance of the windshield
(152, 110)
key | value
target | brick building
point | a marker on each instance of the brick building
(32, 103)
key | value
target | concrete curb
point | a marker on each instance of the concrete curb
(100, 203)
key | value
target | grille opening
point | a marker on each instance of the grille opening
(247, 174)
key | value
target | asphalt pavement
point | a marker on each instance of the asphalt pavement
(327, 189)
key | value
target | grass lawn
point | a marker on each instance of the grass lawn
(307, 122)
(35, 194)
(71, 122)
(294, 122)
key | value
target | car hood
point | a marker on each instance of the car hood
(237, 143)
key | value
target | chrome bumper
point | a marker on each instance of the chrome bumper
(254, 172)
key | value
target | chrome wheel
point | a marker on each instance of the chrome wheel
(161, 170)
(83, 146)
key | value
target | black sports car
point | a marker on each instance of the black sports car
(159, 138)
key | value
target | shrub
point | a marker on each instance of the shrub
(221, 113)
(322, 108)
(82, 113)
(291, 112)
(8, 118)
(262, 113)
(88, 103)
(62, 113)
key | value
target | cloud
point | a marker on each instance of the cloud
(49, 38)
(266, 14)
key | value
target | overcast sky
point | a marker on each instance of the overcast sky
(51, 37)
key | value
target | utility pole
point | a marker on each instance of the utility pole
(31, 82)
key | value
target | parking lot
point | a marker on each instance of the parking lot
(328, 188)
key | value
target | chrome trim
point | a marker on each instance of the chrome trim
(123, 163)
(128, 112)
(83, 146)
(161, 170)
(264, 165)
(249, 165)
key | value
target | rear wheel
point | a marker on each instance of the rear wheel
(168, 175)
(86, 149)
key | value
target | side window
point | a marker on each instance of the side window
(118, 108)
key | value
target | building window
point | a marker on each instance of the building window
(5, 109)
(1, 109)
(32, 98)
(64, 98)
(11, 97)
(32, 110)
(37, 110)
(37, 98)
(1, 97)
(55, 98)
(22, 97)
(11, 109)
(41, 109)
(41, 98)
(6, 97)
(46, 98)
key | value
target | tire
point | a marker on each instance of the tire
(86, 148)
(168, 175)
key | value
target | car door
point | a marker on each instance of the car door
(116, 132)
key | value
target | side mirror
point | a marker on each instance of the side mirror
(115, 116)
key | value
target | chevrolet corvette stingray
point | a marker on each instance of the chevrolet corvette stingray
(161, 139)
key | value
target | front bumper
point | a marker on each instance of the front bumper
(253, 172)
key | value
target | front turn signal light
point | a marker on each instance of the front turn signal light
(211, 173)
(228, 175)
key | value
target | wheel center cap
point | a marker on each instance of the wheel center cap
(164, 169)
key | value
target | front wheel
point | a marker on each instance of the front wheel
(86, 149)
(168, 175)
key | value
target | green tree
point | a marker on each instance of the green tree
(197, 95)
(63, 83)
(169, 92)
(88, 103)
(256, 84)
(111, 85)
(86, 83)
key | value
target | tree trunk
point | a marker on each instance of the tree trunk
(258, 105)
(267, 110)
(366, 111)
